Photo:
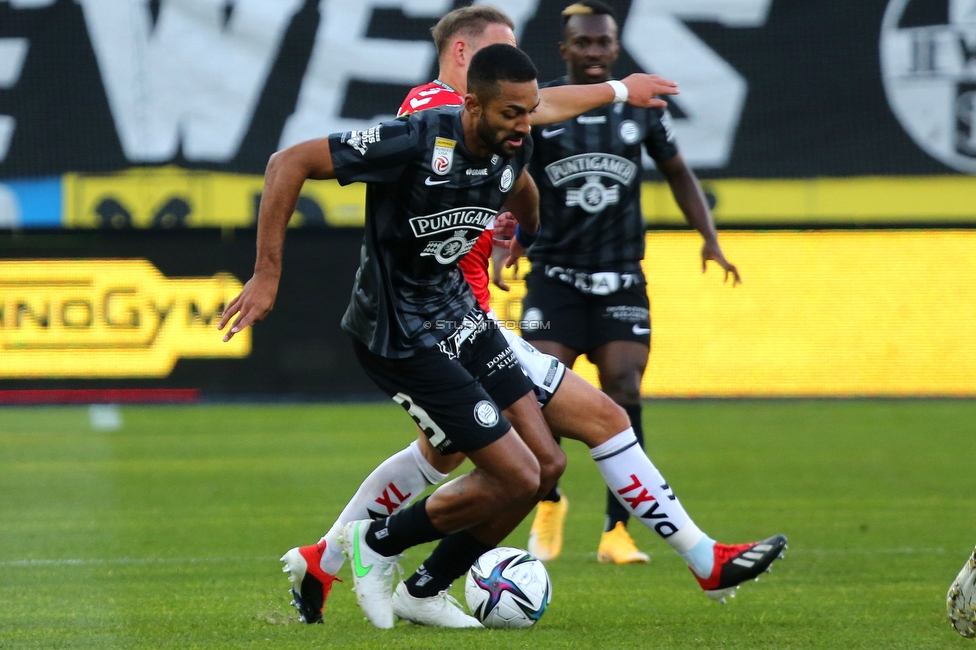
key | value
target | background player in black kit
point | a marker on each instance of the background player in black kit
(586, 281)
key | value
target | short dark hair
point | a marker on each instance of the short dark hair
(471, 21)
(588, 8)
(495, 63)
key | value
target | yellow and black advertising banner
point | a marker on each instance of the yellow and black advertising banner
(171, 197)
(108, 318)
(833, 313)
(820, 313)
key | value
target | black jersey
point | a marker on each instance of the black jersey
(588, 172)
(427, 201)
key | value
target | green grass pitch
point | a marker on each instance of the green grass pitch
(167, 533)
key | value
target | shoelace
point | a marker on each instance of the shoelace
(391, 568)
(449, 600)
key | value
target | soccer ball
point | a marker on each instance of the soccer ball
(508, 588)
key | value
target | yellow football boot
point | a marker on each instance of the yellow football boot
(617, 546)
(546, 535)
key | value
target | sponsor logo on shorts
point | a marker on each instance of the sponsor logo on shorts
(466, 331)
(629, 314)
(553, 367)
(485, 413)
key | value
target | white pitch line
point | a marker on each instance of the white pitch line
(224, 560)
(132, 560)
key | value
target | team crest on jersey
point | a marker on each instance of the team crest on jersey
(443, 158)
(507, 179)
(593, 196)
(450, 249)
(629, 132)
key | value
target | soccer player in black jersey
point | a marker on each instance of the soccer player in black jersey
(586, 284)
(434, 181)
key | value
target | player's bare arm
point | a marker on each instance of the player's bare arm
(564, 102)
(284, 176)
(688, 194)
(523, 203)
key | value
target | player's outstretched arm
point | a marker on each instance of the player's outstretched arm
(523, 203)
(286, 172)
(688, 194)
(560, 103)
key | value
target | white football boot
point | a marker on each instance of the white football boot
(441, 610)
(372, 574)
(961, 599)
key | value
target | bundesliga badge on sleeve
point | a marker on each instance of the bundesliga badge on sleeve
(443, 158)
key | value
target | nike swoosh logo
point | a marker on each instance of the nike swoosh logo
(433, 182)
(357, 564)
(547, 133)
(639, 331)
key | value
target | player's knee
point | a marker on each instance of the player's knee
(550, 469)
(614, 416)
(622, 385)
(523, 483)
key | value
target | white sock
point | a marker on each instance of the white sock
(639, 486)
(397, 481)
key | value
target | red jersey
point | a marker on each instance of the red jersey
(474, 265)
(428, 96)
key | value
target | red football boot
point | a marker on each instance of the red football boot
(736, 564)
(310, 585)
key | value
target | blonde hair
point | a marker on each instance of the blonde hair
(587, 8)
(469, 21)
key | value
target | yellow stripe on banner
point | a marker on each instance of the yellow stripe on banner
(168, 197)
(865, 199)
(842, 313)
(171, 197)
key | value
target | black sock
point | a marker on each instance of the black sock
(449, 561)
(553, 494)
(407, 528)
(615, 511)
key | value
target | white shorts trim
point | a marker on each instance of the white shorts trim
(544, 370)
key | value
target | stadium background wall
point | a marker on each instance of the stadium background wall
(150, 149)
(803, 113)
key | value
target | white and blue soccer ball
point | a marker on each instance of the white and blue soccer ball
(508, 588)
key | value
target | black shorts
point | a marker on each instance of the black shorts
(555, 310)
(455, 391)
